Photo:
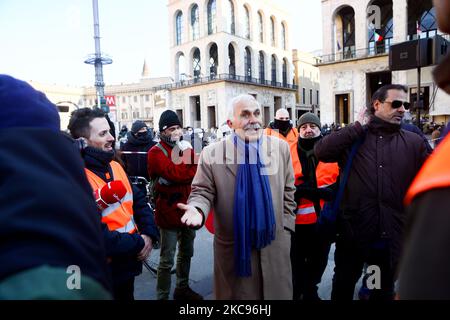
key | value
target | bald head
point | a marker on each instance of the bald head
(282, 114)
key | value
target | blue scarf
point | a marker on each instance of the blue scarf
(253, 216)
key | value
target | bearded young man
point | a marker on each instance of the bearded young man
(128, 226)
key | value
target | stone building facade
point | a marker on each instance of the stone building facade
(221, 48)
(307, 77)
(355, 62)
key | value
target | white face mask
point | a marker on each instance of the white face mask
(176, 135)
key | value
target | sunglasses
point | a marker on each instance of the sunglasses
(397, 104)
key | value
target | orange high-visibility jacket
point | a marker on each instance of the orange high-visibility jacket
(118, 216)
(292, 140)
(326, 175)
(434, 174)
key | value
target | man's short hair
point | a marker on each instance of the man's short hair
(242, 98)
(381, 94)
(79, 123)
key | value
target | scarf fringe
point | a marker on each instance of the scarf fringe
(262, 238)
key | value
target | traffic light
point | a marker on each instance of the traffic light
(103, 105)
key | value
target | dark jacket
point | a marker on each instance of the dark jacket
(48, 214)
(306, 187)
(123, 248)
(381, 173)
(413, 128)
(136, 164)
(425, 271)
(180, 176)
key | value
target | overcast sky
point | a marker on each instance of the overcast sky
(48, 40)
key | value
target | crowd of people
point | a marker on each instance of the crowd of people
(76, 227)
(269, 244)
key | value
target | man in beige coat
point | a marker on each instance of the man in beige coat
(214, 186)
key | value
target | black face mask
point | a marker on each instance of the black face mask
(283, 126)
(141, 134)
(308, 144)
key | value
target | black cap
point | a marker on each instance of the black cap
(168, 118)
(137, 125)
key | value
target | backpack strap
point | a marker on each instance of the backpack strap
(159, 145)
(348, 165)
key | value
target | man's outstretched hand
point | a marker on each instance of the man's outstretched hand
(192, 217)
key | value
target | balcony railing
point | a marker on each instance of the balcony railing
(226, 77)
(373, 51)
(354, 54)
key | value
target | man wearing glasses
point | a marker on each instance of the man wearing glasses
(371, 221)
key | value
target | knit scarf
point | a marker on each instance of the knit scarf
(253, 215)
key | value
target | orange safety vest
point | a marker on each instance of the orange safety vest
(118, 216)
(292, 140)
(434, 174)
(326, 175)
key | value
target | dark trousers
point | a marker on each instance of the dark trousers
(124, 290)
(350, 258)
(309, 258)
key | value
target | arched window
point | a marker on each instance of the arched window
(261, 27)
(284, 72)
(246, 23)
(283, 36)
(232, 56)
(380, 39)
(213, 61)
(345, 32)
(248, 64)
(181, 68)
(262, 67)
(421, 19)
(272, 31)
(274, 69)
(195, 22)
(196, 60)
(179, 28)
(231, 23)
(212, 28)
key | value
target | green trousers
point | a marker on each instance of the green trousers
(169, 239)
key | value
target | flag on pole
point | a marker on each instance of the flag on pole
(378, 37)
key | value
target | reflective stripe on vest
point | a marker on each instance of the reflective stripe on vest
(119, 215)
(326, 175)
(114, 206)
(305, 210)
(292, 140)
(435, 173)
(129, 228)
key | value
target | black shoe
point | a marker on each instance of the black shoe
(186, 293)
